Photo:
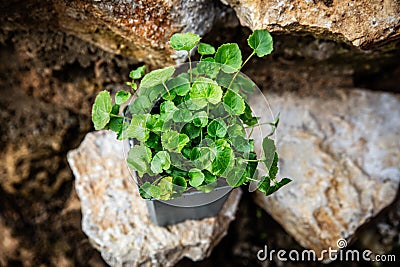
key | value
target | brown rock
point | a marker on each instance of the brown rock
(137, 29)
(342, 151)
(365, 24)
(115, 217)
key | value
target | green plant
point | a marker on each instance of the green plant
(190, 129)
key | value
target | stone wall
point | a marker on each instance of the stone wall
(56, 55)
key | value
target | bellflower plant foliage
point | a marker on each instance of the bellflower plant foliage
(191, 129)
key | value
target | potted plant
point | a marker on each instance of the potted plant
(189, 130)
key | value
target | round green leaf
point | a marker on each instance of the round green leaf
(179, 85)
(139, 158)
(184, 41)
(137, 73)
(269, 150)
(140, 105)
(182, 115)
(247, 116)
(166, 188)
(152, 93)
(242, 144)
(154, 142)
(144, 190)
(115, 109)
(200, 119)
(205, 91)
(208, 67)
(203, 157)
(155, 123)
(182, 141)
(179, 185)
(234, 103)
(230, 56)
(237, 176)
(261, 42)
(137, 128)
(217, 128)
(236, 130)
(115, 124)
(121, 97)
(205, 49)
(174, 141)
(157, 77)
(149, 191)
(223, 161)
(221, 143)
(196, 177)
(161, 161)
(208, 177)
(167, 109)
(191, 130)
(101, 110)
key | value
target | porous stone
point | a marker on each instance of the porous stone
(342, 150)
(115, 217)
(365, 24)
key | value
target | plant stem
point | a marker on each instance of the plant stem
(259, 124)
(244, 63)
(253, 160)
(156, 180)
(166, 88)
(118, 116)
(251, 132)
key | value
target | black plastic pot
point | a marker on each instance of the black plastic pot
(190, 206)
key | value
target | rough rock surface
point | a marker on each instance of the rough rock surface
(115, 217)
(136, 29)
(342, 151)
(365, 24)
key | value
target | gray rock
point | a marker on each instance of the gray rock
(115, 217)
(342, 150)
(365, 24)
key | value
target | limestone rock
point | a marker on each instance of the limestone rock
(342, 151)
(365, 24)
(115, 217)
